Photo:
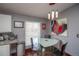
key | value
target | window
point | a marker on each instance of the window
(32, 29)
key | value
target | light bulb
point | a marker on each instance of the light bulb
(56, 14)
(49, 16)
(52, 15)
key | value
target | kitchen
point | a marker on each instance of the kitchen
(8, 40)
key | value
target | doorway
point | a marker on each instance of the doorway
(32, 29)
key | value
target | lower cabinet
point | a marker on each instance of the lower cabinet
(12, 49)
(5, 50)
(20, 49)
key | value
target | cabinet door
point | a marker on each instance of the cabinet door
(5, 50)
(20, 49)
(5, 23)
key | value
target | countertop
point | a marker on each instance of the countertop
(6, 42)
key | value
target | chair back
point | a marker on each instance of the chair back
(34, 43)
(63, 48)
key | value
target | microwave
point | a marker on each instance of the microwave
(1, 38)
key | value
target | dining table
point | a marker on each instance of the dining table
(46, 42)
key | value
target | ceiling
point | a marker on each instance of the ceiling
(34, 9)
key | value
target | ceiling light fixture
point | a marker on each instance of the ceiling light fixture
(49, 16)
(52, 15)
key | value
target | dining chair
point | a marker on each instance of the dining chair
(58, 52)
(35, 45)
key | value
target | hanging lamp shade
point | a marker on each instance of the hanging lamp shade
(52, 15)
(49, 16)
(56, 14)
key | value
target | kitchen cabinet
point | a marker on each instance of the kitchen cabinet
(5, 50)
(5, 23)
(20, 49)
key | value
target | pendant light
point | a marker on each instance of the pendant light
(49, 16)
(52, 15)
(56, 14)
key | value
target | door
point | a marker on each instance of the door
(32, 29)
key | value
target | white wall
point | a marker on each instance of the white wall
(72, 15)
(18, 31)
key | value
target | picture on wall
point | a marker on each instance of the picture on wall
(59, 27)
(43, 26)
(18, 24)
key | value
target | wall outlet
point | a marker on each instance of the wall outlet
(77, 35)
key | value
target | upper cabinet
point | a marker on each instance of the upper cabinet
(5, 23)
